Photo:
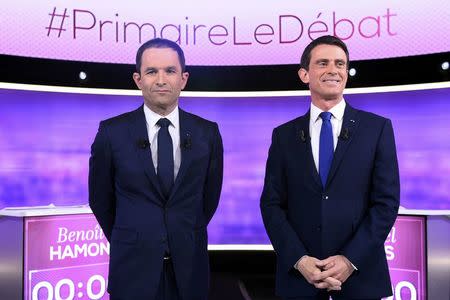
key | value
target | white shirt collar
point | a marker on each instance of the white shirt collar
(337, 111)
(152, 118)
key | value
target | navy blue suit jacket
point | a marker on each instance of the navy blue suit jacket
(127, 201)
(352, 215)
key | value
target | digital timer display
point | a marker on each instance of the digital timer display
(84, 282)
(66, 257)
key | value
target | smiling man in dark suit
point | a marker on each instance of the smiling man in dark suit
(155, 176)
(331, 191)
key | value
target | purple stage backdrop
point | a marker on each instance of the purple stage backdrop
(66, 257)
(45, 140)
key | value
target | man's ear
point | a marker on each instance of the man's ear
(137, 79)
(184, 78)
(303, 75)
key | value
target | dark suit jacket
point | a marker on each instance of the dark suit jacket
(127, 201)
(352, 215)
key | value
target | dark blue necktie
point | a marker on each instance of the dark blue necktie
(326, 147)
(165, 157)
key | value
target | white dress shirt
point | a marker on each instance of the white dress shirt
(151, 119)
(315, 125)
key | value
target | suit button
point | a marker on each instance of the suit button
(319, 228)
(164, 239)
(324, 197)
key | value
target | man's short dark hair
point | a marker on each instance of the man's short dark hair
(323, 40)
(160, 43)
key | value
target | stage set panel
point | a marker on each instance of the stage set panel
(66, 256)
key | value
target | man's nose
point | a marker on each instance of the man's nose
(332, 68)
(160, 78)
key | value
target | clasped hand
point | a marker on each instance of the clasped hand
(329, 273)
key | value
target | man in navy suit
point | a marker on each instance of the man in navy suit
(155, 176)
(331, 191)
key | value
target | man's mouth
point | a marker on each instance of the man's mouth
(331, 82)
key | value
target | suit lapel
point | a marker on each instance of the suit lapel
(348, 131)
(139, 134)
(303, 142)
(187, 134)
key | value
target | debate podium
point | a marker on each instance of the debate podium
(62, 253)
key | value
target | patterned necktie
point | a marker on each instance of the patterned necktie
(326, 147)
(165, 157)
